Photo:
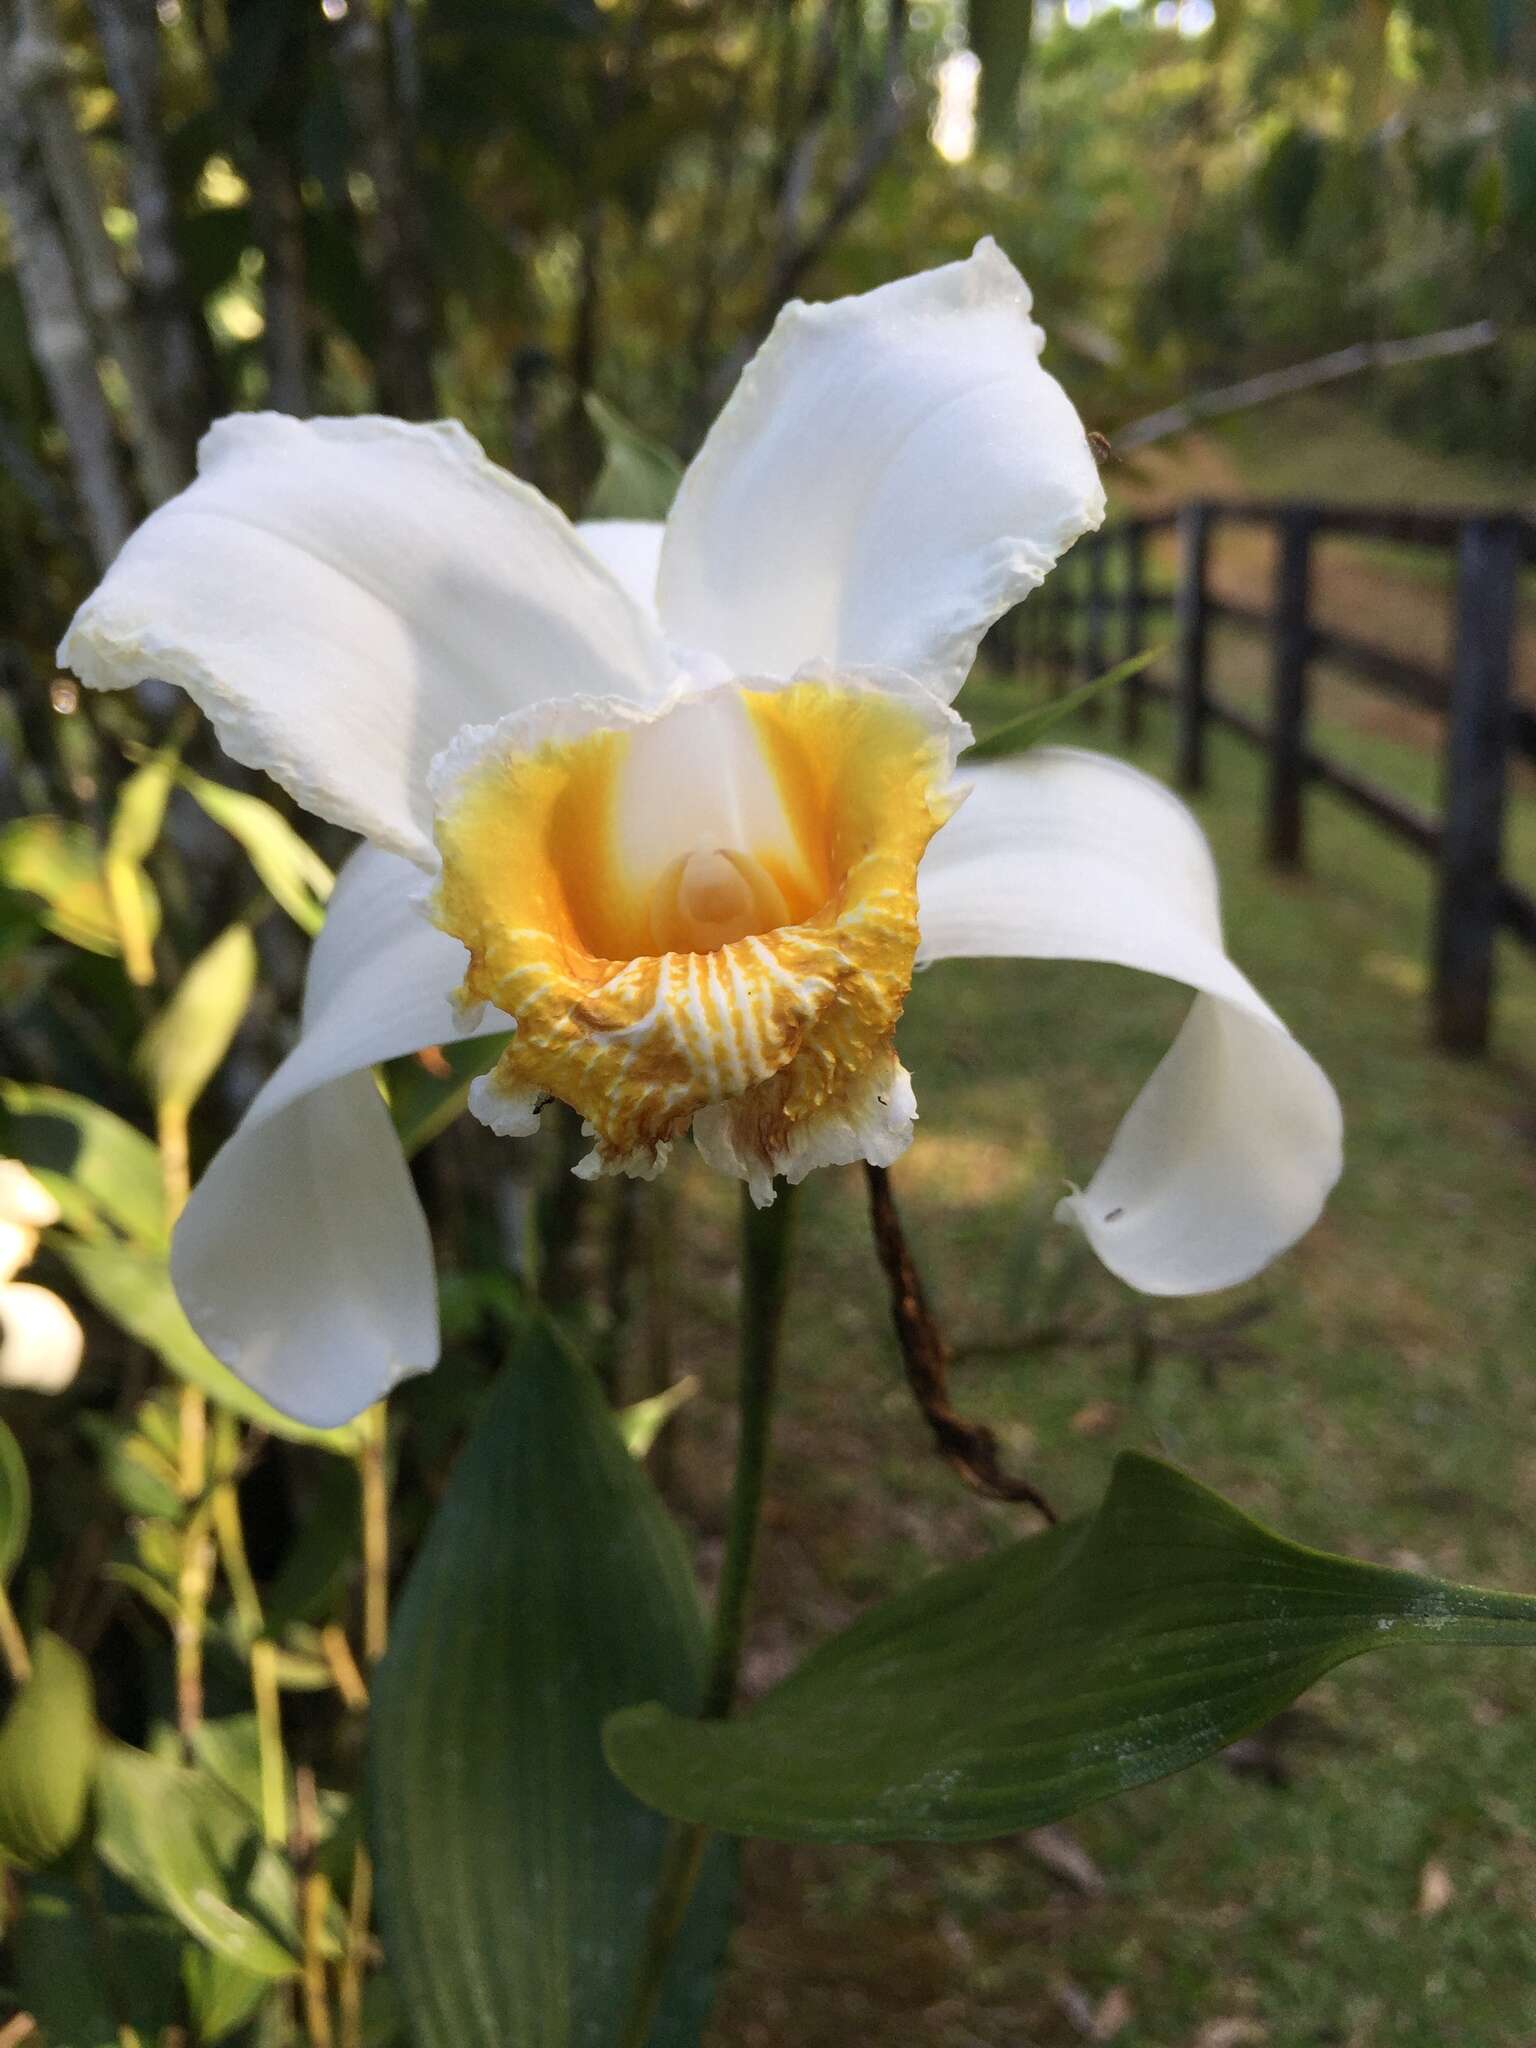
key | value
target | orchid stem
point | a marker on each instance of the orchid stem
(373, 1476)
(766, 1236)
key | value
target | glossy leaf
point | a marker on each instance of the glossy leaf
(186, 1845)
(182, 1048)
(1009, 1692)
(514, 1871)
(134, 1288)
(48, 1751)
(65, 1139)
(290, 870)
(15, 1503)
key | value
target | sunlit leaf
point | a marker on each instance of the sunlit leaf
(137, 819)
(133, 1287)
(70, 1143)
(15, 1503)
(513, 1868)
(48, 1752)
(290, 870)
(181, 1049)
(643, 1421)
(60, 863)
(1012, 1691)
(183, 1843)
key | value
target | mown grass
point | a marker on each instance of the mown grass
(1392, 1413)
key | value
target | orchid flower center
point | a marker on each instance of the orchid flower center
(711, 897)
(705, 916)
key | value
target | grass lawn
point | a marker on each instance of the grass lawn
(1383, 1896)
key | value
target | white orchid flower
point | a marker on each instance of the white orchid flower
(679, 806)
(41, 1343)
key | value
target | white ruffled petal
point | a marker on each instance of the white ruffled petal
(303, 1259)
(341, 595)
(892, 472)
(1229, 1152)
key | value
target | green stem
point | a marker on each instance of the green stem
(766, 1236)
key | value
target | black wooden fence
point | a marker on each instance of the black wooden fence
(1099, 608)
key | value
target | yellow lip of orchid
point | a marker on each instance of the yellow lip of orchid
(702, 917)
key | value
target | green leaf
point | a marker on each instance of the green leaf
(179, 1052)
(15, 1503)
(290, 870)
(59, 1978)
(60, 863)
(135, 827)
(133, 1287)
(643, 1421)
(999, 33)
(1009, 1692)
(221, 1997)
(424, 1102)
(48, 1752)
(639, 478)
(70, 1143)
(1031, 727)
(514, 1871)
(184, 1844)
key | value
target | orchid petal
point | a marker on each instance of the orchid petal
(1229, 1152)
(303, 1259)
(340, 596)
(892, 472)
(630, 550)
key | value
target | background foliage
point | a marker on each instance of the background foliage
(567, 224)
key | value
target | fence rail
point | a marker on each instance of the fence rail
(1103, 591)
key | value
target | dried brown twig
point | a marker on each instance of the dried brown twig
(970, 1447)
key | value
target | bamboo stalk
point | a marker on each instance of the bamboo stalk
(40, 67)
(377, 76)
(59, 331)
(178, 343)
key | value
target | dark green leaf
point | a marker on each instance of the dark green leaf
(999, 33)
(48, 1752)
(15, 1503)
(65, 1139)
(514, 1871)
(134, 1289)
(186, 1845)
(424, 1099)
(1031, 727)
(59, 1968)
(1012, 1691)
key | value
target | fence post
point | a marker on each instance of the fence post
(1132, 617)
(1476, 743)
(1092, 646)
(1283, 821)
(1194, 553)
